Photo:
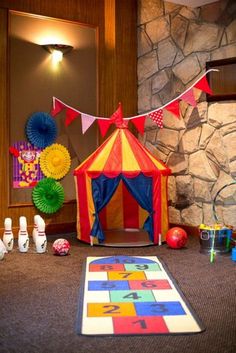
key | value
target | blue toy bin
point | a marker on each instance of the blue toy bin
(216, 237)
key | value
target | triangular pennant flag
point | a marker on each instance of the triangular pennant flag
(189, 98)
(86, 121)
(173, 108)
(157, 117)
(139, 123)
(203, 85)
(58, 106)
(70, 116)
(117, 117)
(104, 125)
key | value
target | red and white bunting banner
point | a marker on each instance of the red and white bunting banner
(203, 85)
(173, 107)
(139, 123)
(86, 121)
(71, 114)
(189, 98)
(57, 107)
(157, 117)
(104, 125)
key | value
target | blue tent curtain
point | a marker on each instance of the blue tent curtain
(103, 189)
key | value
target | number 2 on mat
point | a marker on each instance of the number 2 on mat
(113, 309)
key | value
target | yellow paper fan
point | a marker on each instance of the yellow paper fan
(55, 161)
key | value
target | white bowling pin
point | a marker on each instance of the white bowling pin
(41, 239)
(35, 229)
(8, 238)
(2, 253)
(23, 236)
(3, 248)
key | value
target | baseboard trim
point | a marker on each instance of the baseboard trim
(190, 230)
(60, 228)
(51, 229)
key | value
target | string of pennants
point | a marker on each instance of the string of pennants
(138, 120)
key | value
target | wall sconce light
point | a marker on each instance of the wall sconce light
(57, 51)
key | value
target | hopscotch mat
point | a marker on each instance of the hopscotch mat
(132, 295)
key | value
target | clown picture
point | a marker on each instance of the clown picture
(26, 168)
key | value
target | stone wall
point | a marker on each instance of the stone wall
(174, 43)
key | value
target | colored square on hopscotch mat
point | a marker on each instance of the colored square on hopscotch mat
(159, 309)
(139, 325)
(132, 296)
(106, 267)
(108, 285)
(110, 309)
(151, 284)
(124, 275)
(142, 267)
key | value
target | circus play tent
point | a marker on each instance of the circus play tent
(121, 185)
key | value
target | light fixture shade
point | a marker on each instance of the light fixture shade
(64, 48)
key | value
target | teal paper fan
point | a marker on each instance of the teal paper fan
(48, 195)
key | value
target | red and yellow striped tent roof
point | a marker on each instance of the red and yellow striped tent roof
(122, 153)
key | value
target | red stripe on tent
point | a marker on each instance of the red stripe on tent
(103, 218)
(130, 209)
(85, 227)
(114, 161)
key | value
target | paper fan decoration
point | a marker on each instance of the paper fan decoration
(55, 161)
(48, 195)
(41, 129)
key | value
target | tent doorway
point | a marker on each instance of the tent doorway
(122, 220)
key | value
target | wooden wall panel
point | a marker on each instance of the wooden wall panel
(116, 23)
(126, 49)
(4, 128)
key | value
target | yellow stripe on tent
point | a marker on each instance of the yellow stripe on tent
(91, 208)
(129, 162)
(100, 161)
(142, 216)
(78, 217)
(164, 210)
(114, 210)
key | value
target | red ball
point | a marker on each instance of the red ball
(61, 247)
(176, 238)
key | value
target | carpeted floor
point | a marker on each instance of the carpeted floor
(39, 296)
